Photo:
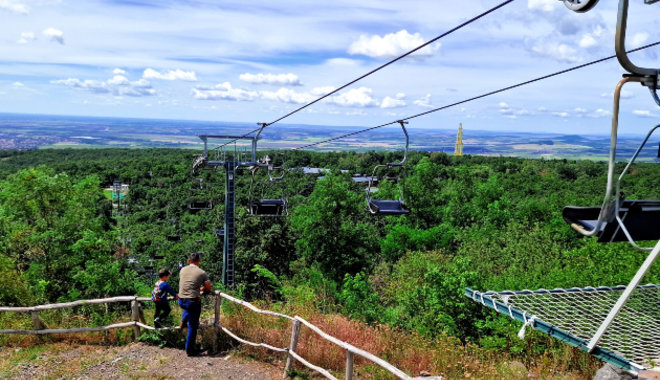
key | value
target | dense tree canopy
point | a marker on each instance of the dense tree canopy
(483, 222)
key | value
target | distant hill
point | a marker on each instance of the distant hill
(22, 132)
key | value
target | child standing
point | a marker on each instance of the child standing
(159, 296)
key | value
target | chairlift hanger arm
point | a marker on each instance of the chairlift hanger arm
(620, 46)
(405, 152)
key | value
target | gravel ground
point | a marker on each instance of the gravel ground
(135, 361)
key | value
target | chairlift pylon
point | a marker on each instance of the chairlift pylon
(388, 207)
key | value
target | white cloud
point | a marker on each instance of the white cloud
(339, 62)
(643, 113)
(14, 6)
(542, 5)
(118, 80)
(17, 85)
(599, 113)
(97, 87)
(27, 37)
(278, 79)
(588, 41)
(559, 51)
(224, 91)
(583, 112)
(639, 39)
(320, 91)
(54, 35)
(391, 45)
(118, 71)
(424, 102)
(397, 101)
(118, 85)
(357, 97)
(287, 95)
(512, 113)
(177, 74)
(562, 114)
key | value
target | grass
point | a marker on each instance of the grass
(411, 352)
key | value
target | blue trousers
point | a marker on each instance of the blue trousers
(191, 313)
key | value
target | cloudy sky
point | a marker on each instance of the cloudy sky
(255, 60)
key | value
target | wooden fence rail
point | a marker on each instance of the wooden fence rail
(138, 323)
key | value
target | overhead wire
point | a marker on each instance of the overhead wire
(429, 42)
(484, 95)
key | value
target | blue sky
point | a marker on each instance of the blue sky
(253, 61)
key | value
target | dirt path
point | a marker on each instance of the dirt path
(135, 361)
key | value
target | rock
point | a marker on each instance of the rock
(610, 372)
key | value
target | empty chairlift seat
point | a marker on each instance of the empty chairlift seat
(268, 207)
(200, 204)
(640, 217)
(388, 207)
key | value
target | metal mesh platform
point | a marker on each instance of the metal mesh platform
(574, 315)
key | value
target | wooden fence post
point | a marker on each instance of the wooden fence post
(216, 321)
(295, 331)
(37, 324)
(349, 365)
(135, 310)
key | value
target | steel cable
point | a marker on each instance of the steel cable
(460, 26)
(490, 93)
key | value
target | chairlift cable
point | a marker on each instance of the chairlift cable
(504, 89)
(456, 28)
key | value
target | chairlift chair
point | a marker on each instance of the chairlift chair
(196, 203)
(388, 207)
(200, 204)
(617, 217)
(264, 206)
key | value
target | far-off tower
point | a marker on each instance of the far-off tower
(458, 150)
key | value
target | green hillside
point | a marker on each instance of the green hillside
(489, 223)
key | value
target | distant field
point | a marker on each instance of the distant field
(37, 132)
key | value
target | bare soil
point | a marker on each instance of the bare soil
(135, 361)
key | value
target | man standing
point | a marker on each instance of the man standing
(192, 282)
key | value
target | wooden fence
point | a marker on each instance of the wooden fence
(139, 322)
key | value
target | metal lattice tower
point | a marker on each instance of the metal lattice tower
(118, 204)
(458, 150)
(230, 227)
(230, 163)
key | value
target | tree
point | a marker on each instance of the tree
(333, 230)
(56, 231)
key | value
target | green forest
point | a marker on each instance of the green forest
(488, 223)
